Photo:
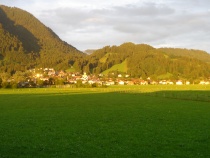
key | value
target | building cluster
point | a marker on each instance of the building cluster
(48, 76)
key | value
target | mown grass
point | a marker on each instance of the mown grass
(110, 122)
(122, 67)
(186, 92)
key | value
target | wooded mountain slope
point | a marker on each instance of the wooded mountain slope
(145, 61)
(198, 54)
(25, 42)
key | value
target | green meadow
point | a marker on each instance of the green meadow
(122, 67)
(119, 121)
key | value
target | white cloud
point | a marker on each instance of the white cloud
(94, 24)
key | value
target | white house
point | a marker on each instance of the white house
(163, 82)
(187, 82)
(84, 77)
(204, 82)
(170, 83)
(119, 75)
(179, 83)
(109, 83)
(121, 83)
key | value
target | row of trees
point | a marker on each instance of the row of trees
(40, 83)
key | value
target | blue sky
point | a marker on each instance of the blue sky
(93, 24)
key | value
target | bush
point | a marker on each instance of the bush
(0, 82)
(5, 85)
(94, 85)
(13, 85)
(9, 85)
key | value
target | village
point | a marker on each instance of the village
(46, 77)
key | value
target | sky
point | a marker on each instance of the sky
(93, 24)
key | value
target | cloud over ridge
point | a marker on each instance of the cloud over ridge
(95, 24)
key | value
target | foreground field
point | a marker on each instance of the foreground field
(114, 122)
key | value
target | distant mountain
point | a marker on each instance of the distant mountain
(141, 60)
(25, 42)
(89, 51)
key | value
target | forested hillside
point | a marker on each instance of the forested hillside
(198, 54)
(145, 61)
(25, 42)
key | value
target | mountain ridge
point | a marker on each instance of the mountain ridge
(145, 61)
(22, 32)
(26, 43)
(193, 53)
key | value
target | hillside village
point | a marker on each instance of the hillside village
(48, 77)
(33, 45)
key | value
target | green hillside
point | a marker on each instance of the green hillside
(122, 67)
(21, 33)
(104, 58)
(26, 43)
(198, 54)
(145, 61)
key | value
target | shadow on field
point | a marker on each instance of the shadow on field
(193, 95)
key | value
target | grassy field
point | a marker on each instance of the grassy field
(118, 67)
(119, 121)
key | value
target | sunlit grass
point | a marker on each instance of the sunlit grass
(118, 121)
(122, 67)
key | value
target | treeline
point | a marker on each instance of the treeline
(23, 80)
